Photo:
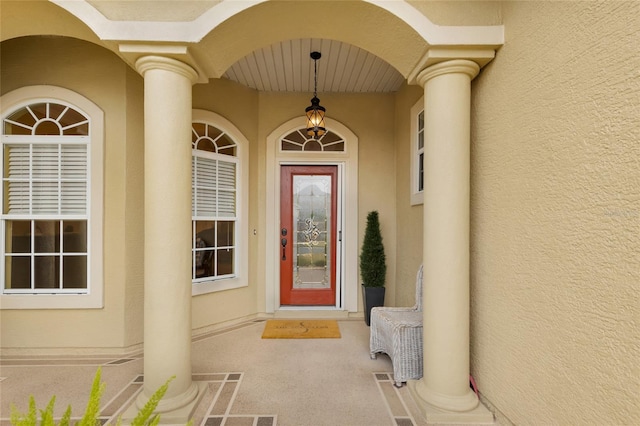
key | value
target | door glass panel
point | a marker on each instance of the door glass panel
(311, 218)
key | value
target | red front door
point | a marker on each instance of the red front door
(308, 235)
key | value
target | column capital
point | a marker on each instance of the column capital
(146, 63)
(439, 54)
(455, 66)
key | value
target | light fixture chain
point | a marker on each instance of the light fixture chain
(315, 77)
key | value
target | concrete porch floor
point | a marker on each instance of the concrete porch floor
(250, 381)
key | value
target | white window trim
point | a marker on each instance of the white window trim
(241, 278)
(94, 298)
(417, 196)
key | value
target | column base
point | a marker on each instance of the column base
(479, 415)
(176, 416)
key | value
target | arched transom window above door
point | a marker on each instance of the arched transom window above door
(299, 141)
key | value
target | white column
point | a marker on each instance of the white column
(445, 382)
(167, 245)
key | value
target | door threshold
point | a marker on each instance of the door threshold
(308, 308)
(294, 312)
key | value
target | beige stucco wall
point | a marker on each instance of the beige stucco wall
(556, 215)
(134, 215)
(101, 77)
(409, 218)
(239, 105)
(460, 12)
(257, 115)
(23, 18)
(376, 154)
(555, 208)
(117, 89)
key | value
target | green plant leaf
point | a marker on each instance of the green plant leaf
(15, 416)
(93, 405)
(46, 415)
(29, 419)
(66, 417)
(144, 415)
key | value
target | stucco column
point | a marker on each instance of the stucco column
(167, 219)
(445, 382)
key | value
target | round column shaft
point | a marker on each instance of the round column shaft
(167, 219)
(445, 383)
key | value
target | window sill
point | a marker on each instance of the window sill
(51, 301)
(417, 198)
(214, 286)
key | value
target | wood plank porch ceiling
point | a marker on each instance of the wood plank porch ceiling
(287, 67)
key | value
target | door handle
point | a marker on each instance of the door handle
(284, 245)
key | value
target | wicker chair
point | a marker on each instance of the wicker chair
(398, 333)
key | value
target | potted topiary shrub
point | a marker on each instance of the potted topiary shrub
(373, 268)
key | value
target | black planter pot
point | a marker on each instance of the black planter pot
(372, 297)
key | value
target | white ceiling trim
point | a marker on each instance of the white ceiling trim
(196, 30)
(442, 35)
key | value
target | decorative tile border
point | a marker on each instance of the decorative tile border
(213, 410)
(50, 361)
(394, 400)
(120, 361)
(218, 412)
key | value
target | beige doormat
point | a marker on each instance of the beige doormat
(301, 329)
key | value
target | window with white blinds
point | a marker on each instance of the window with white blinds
(45, 199)
(213, 203)
(45, 178)
(214, 186)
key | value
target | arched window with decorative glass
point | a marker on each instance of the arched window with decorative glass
(213, 203)
(299, 141)
(45, 211)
